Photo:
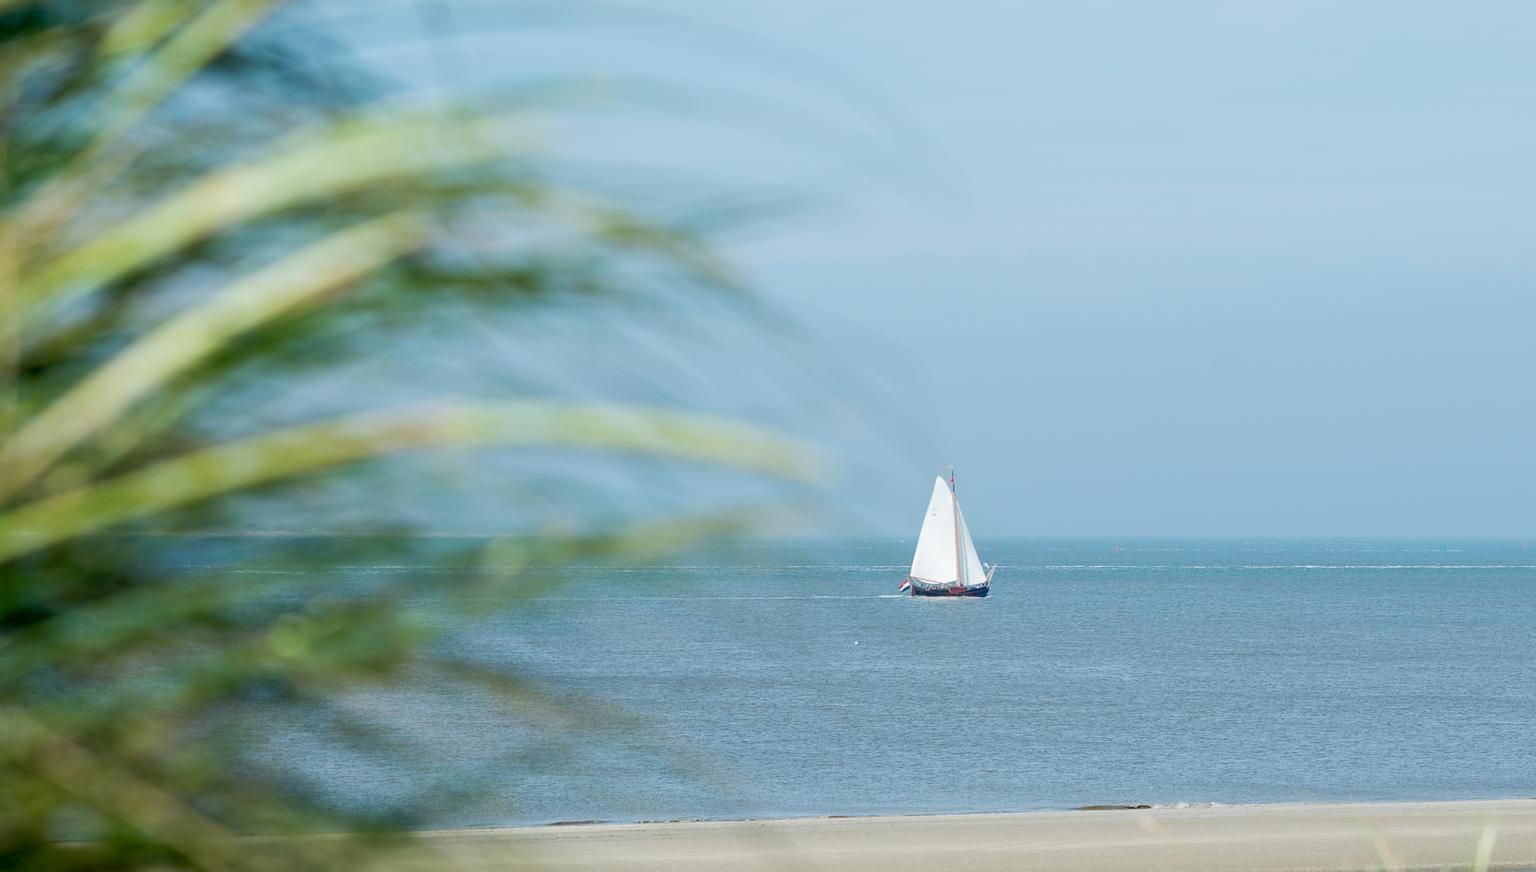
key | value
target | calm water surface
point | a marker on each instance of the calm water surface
(790, 679)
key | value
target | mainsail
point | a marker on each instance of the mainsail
(934, 559)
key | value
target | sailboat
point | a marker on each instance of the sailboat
(945, 563)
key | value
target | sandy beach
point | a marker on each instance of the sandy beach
(1384, 836)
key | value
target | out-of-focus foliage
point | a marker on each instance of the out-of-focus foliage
(195, 199)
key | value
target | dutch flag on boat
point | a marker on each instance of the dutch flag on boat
(905, 583)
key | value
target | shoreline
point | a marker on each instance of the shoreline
(1501, 834)
(1094, 807)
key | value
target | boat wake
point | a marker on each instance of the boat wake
(717, 598)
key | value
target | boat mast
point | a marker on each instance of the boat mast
(954, 504)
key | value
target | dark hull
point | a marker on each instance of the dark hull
(928, 588)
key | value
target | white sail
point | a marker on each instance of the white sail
(934, 559)
(974, 572)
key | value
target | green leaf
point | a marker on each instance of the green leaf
(143, 25)
(118, 793)
(286, 453)
(186, 52)
(343, 157)
(197, 334)
(144, 88)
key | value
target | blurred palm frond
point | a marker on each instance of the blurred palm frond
(201, 218)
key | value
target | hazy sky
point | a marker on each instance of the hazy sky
(1177, 268)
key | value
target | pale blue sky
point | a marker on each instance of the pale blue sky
(1177, 268)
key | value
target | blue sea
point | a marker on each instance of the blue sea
(790, 679)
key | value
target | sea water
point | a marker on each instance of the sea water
(790, 679)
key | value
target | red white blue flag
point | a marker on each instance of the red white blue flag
(905, 583)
